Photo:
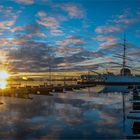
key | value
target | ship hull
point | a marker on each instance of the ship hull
(121, 80)
(113, 80)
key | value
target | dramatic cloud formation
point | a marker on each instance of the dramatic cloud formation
(30, 57)
(38, 34)
(62, 58)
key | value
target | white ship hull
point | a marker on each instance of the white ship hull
(120, 79)
(111, 79)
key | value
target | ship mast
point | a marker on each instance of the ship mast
(124, 54)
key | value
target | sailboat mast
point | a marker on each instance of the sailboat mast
(124, 54)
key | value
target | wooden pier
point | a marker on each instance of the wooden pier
(44, 89)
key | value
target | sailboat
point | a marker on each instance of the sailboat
(124, 78)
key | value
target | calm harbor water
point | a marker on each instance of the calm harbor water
(83, 114)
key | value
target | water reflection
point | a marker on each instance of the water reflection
(115, 88)
(71, 115)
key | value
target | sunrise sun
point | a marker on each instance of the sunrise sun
(4, 75)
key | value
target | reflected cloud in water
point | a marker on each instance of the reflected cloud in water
(73, 115)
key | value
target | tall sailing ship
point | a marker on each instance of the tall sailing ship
(124, 78)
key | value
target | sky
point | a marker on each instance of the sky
(63, 35)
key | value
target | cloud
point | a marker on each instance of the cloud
(11, 42)
(29, 51)
(7, 12)
(35, 56)
(20, 38)
(26, 2)
(108, 29)
(106, 41)
(5, 25)
(66, 51)
(73, 10)
(29, 31)
(8, 18)
(5, 42)
(42, 14)
(72, 40)
(56, 32)
(17, 28)
(53, 22)
(134, 52)
(47, 20)
(50, 22)
(119, 23)
(109, 43)
(104, 38)
(126, 18)
(30, 55)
